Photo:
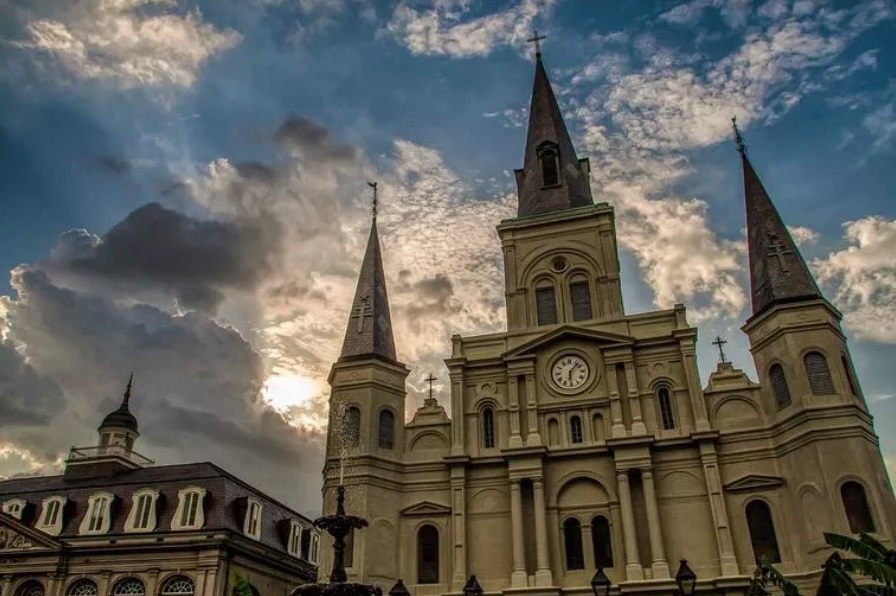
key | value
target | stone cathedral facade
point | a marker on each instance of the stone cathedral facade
(582, 437)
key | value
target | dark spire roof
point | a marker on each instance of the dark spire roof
(369, 331)
(546, 128)
(778, 272)
(122, 417)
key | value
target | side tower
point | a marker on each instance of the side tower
(822, 435)
(365, 439)
(560, 259)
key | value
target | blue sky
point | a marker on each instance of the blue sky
(182, 192)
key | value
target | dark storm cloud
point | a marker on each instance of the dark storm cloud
(309, 136)
(26, 397)
(114, 165)
(193, 259)
(196, 389)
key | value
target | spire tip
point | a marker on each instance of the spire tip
(738, 138)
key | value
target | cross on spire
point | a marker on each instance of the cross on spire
(375, 201)
(720, 342)
(361, 312)
(430, 379)
(738, 138)
(535, 39)
(777, 249)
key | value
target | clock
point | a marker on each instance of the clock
(570, 372)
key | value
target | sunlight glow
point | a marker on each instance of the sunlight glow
(285, 389)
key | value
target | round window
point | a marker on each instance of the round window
(559, 264)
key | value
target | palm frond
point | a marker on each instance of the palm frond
(877, 591)
(875, 570)
(859, 548)
(873, 542)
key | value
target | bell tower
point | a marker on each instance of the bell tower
(560, 259)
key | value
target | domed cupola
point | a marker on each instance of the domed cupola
(119, 427)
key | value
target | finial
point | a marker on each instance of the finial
(721, 342)
(535, 39)
(127, 391)
(375, 202)
(430, 379)
(738, 138)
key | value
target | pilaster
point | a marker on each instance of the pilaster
(633, 569)
(618, 428)
(543, 576)
(456, 378)
(710, 461)
(686, 340)
(659, 565)
(518, 577)
(634, 398)
(459, 527)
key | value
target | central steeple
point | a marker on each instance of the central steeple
(552, 178)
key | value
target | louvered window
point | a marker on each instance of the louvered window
(858, 514)
(762, 532)
(550, 169)
(819, 374)
(581, 300)
(779, 386)
(664, 399)
(572, 540)
(601, 542)
(546, 303)
(575, 429)
(387, 429)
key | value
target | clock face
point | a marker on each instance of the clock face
(570, 372)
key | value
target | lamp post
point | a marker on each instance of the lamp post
(600, 583)
(472, 588)
(686, 579)
(399, 589)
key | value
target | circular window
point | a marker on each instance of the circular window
(559, 264)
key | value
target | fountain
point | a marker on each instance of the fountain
(338, 526)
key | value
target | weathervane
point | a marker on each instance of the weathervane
(535, 39)
(738, 138)
(721, 342)
(375, 202)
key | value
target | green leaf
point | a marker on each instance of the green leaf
(876, 570)
(864, 550)
(878, 590)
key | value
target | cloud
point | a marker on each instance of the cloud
(881, 122)
(158, 249)
(306, 136)
(129, 43)
(803, 235)
(863, 278)
(446, 29)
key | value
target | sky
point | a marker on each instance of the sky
(183, 194)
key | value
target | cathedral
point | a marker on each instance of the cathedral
(581, 438)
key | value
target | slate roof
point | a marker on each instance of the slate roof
(369, 329)
(778, 272)
(224, 503)
(546, 125)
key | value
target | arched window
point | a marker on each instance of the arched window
(352, 427)
(601, 542)
(177, 585)
(575, 429)
(847, 372)
(82, 587)
(545, 304)
(31, 588)
(778, 380)
(550, 168)
(762, 532)
(664, 402)
(597, 428)
(428, 555)
(858, 514)
(387, 429)
(572, 541)
(819, 374)
(488, 428)
(580, 296)
(553, 432)
(128, 586)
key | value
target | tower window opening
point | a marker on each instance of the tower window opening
(858, 513)
(575, 429)
(572, 541)
(488, 428)
(387, 430)
(580, 295)
(550, 168)
(850, 379)
(818, 373)
(762, 532)
(546, 305)
(779, 386)
(601, 542)
(664, 401)
(428, 555)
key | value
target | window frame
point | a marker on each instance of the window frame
(294, 542)
(98, 517)
(252, 521)
(851, 382)
(47, 526)
(666, 407)
(130, 578)
(542, 287)
(599, 560)
(136, 514)
(549, 151)
(488, 434)
(18, 504)
(865, 504)
(781, 400)
(820, 380)
(751, 526)
(383, 441)
(26, 588)
(180, 514)
(576, 431)
(573, 545)
(431, 579)
(81, 581)
(177, 577)
(579, 281)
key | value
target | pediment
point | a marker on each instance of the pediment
(426, 508)
(753, 482)
(16, 537)
(602, 338)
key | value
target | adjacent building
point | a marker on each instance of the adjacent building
(581, 437)
(115, 524)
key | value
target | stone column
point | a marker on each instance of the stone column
(6, 585)
(655, 531)
(103, 585)
(543, 575)
(633, 570)
(459, 529)
(55, 584)
(152, 579)
(618, 427)
(634, 398)
(456, 378)
(518, 577)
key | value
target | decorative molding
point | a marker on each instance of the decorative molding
(754, 482)
(426, 508)
(11, 540)
(567, 331)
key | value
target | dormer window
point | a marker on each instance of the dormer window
(548, 157)
(50, 521)
(190, 514)
(14, 507)
(296, 540)
(252, 523)
(98, 517)
(314, 548)
(142, 517)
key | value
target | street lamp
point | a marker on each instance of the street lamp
(399, 589)
(686, 579)
(600, 583)
(472, 588)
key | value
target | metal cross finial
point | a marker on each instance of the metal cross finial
(738, 138)
(375, 199)
(535, 39)
(720, 342)
(430, 379)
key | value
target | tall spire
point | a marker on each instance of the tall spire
(778, 272)
(552, 177)
(369, 330)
